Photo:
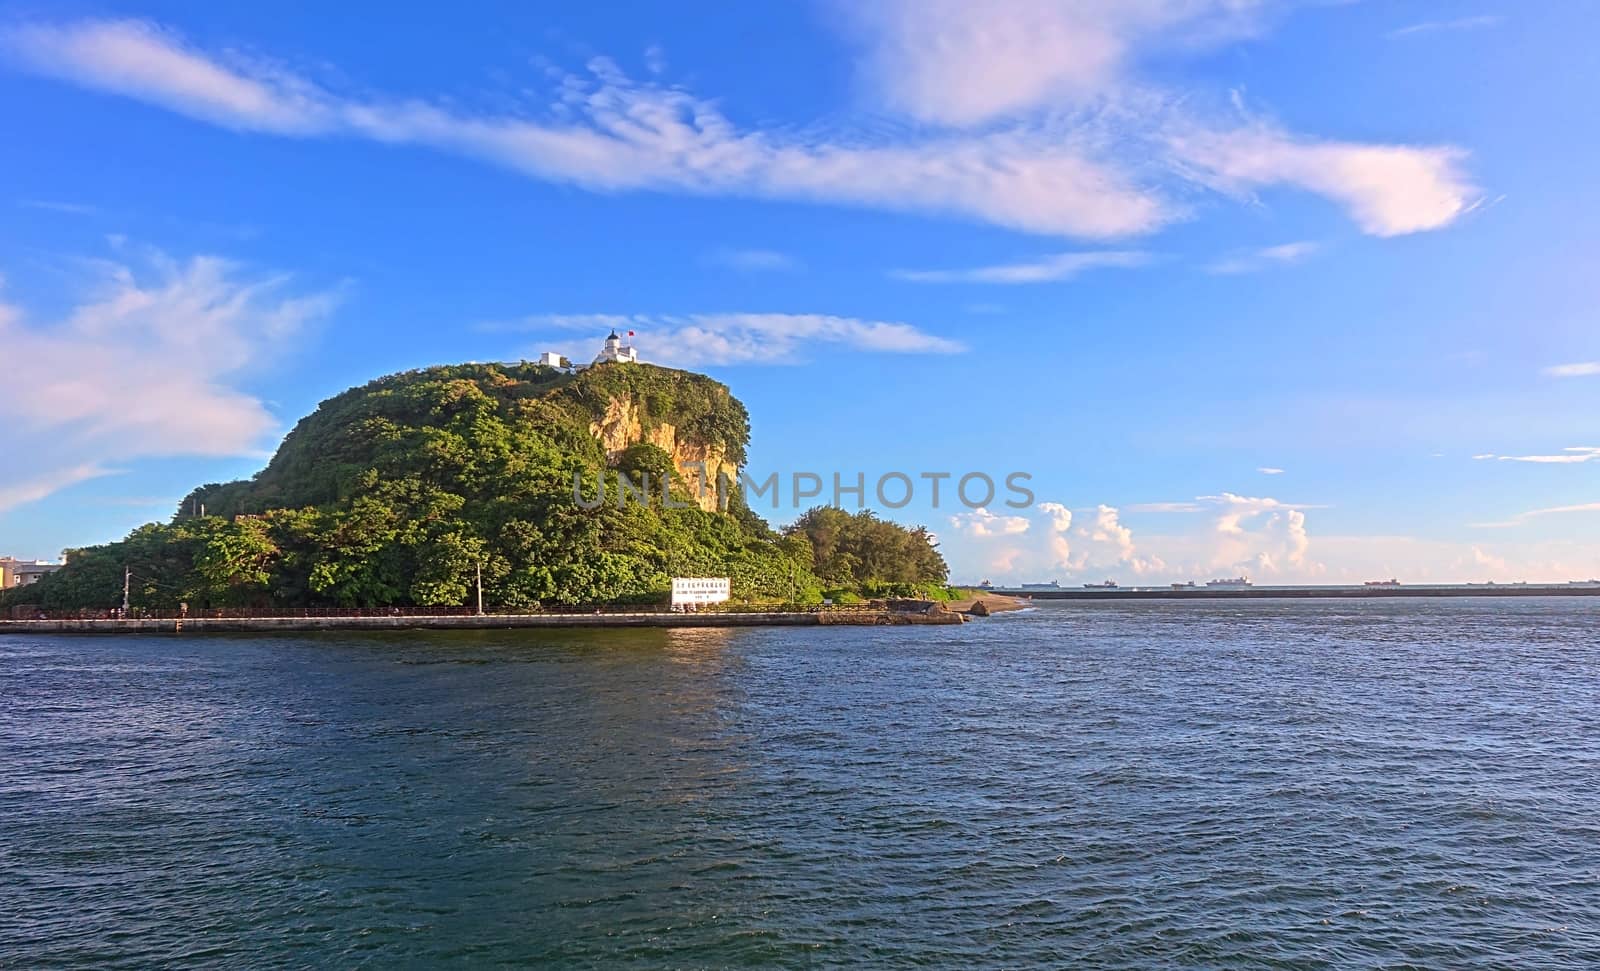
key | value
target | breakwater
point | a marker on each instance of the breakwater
(1311, 593)
(200, 624)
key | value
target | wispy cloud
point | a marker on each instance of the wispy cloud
(1581, 369)
(51, 205)
(143, 367)
(1253, 261)
(609, 133)
(31, 488)
(1269, 470)
(1522, 518)
(958, 63)
(692, 340)
(1093, 173)
(1568, 456)
(1438, 26)
(1048, 269)
(1184, 507)
(754, 260)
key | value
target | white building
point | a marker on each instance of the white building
(616, 351)
(552, 359)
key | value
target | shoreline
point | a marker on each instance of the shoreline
(237, 625)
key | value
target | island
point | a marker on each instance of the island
(436, 490)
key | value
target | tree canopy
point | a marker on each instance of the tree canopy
(397, 492)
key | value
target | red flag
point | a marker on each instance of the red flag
(630, 333)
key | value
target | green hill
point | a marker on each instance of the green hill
(396, 494)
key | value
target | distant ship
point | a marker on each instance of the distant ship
(1381, 583)
(1237, 583)
(1183, 586)
(1052, 585)
(1108, 585)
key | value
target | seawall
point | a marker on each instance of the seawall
(239, 625)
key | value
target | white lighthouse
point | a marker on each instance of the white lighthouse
(616, 351)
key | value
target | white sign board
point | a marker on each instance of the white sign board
(699, 590)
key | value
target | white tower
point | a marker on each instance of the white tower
(616, 351)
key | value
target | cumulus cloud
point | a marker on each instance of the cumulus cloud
(1092, 172)
(1044, 541)
(1107, 530)
(1263, 534)
(1060, 266)
(1057, 541)
(981, 522)
(1060, 516)
(691, 340)
(143, 367)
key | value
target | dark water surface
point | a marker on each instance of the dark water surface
(1300, 784)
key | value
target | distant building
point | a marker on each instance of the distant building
(23, 573)
(552, 359)
(615, 351)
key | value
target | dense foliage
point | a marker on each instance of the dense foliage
(858, 552)
(398, 492)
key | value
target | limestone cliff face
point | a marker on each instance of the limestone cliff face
(623, 425)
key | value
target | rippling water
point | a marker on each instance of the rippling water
(1382, 783)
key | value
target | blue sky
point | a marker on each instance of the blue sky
(1297, 289)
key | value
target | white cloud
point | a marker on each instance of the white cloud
(1253, 261)
(141, 368)
(144, 61)
(1263, 534)
(1268, 470)
(1057, 540)
(1522, 518)
(959, 63)
(1167, 507)
(52, 205)
(981, 522)
(1060, 266)
(1481, 557)
(1060, 516)
(1109, 533)
(741, 338)
(609, 134)
(1088, 173)
(1437, 26)
(1390, 190)
(1568, 456)
(35, 487)
(754, 260)
(1581, 369)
